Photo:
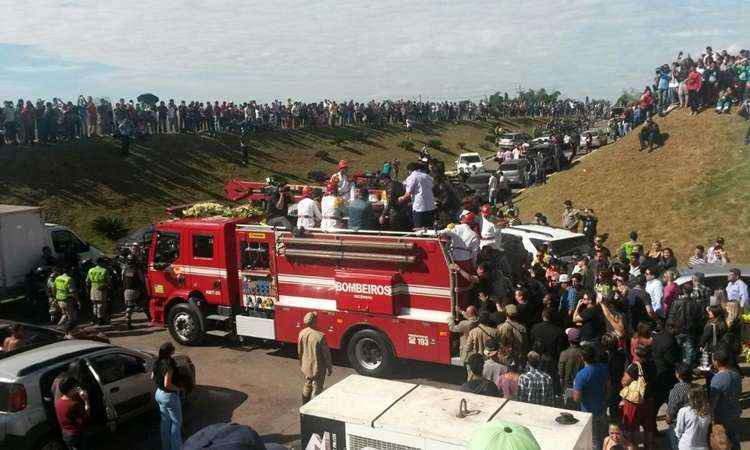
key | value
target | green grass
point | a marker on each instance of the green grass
(76, 183)
(693, 190)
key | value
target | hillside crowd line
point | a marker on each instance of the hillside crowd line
(712, 80)
(27, 122)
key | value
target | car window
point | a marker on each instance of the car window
(113, 367)
(716, 282)
(471, 159)
(167, 247)
(64, 242)
(509, 167)
(203, 246)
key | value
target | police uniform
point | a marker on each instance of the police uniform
(132, 283)
(64, 288)
(308, 212)
(98, 281)
(331, 211)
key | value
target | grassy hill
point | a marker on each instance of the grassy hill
(78, 182)
(693, 190)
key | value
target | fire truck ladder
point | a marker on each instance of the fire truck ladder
(343, 250)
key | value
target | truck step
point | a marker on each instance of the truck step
(218, 317)
(218, 333)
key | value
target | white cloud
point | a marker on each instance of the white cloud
(339, 48)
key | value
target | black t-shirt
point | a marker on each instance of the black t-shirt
(481, 386)
(272, 210)
(593, 326)
(160, 369)
(639, 299)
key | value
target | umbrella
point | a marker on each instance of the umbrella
(498, 435)
(149, 99)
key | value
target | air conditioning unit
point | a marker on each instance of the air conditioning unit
(362, 413)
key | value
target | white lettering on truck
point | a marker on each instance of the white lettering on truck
(362, 288)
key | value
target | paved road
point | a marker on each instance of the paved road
(256, 385)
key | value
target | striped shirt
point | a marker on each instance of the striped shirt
(678, 397)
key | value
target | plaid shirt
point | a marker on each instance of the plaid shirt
(678, 397)
(535, 386)
(702, 294)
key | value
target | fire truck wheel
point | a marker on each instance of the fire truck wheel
(370, 353)
(185, 324)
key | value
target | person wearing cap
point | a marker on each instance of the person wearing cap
(513, 332)
(479, 335)
(464, 242)
(570, 362)
(737, 288)
(418, 186)
(570, 217)
(308, 211)
(331, 208)
(314, 357)
(468, 320)
(477, 383)
(342, 181)
(490, 231)
(97, 280)
(534, 385)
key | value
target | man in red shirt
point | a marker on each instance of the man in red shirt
(72, 409)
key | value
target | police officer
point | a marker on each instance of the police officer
(132, 283)
(54, 309)
(97, 280)
(65, 296)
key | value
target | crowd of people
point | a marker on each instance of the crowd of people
(27, 122)
(712, 80)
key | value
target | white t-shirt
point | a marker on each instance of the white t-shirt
(419, 185)
(308, 212)
(465, 242)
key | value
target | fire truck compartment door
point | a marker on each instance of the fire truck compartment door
(256, 327)
(366, 292)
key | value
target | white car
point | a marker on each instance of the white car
(540, 143)
(470, 163)
(120, 384)
(715, 276)
(598, 138)
(510, 140)
(527, 239)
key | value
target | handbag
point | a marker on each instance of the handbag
(636, 390)
(717, 438)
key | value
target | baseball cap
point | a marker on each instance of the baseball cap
(227, 436)
(574, 334)
(564, 278)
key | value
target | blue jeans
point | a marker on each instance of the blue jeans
(171, 419)
(672, 438)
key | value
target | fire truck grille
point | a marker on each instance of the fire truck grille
(362, 443)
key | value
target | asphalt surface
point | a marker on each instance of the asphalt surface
(258, 384)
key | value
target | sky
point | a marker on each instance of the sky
(310, 50)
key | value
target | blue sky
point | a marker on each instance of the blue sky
(241, 49)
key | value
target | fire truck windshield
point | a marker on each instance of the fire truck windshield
(167, 247)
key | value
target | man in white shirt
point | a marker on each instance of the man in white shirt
(331, 209)
(418, 187)
(492, 186)
(736, 288)
(490, 231)
(464, 242)
(308, 211)
(655, 289)
(341, 179)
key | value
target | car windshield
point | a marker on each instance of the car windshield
(471, 159)
(33, 337)
(509, 136)
(565, 247)
(509, 166)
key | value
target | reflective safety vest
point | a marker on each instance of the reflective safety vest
(97, 276)
(62, 287)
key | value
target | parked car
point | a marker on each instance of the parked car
(469, 163)
(715, 275)
(540, 143)
(563, 245)
(123, 388)
(509, 140)
(599, 137)
(516, 172)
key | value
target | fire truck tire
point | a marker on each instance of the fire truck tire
(186, 324)
(371, 353)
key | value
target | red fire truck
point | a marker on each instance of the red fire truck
(379, 295)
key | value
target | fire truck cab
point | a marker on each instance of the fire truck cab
(380, 296)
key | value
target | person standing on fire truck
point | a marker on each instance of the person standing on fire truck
(490, 231)
(314, 357)
(331, 208)
(418, 187)
(342, 181)
(308, 211)
(464, 242)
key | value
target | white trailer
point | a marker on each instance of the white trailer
(362, 413)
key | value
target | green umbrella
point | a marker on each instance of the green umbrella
(497, 435)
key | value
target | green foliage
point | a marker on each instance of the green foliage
(628, 97)
(407, 145)
(112, 227)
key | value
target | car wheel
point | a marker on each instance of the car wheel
(371, 353)
(186, 324)
(50, 442)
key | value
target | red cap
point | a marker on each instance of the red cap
(306, 191)
(486, 209)
(343, 164)
(468, 218)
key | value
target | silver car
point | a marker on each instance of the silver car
(123, 388)
(516, 172)
(715, 275)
